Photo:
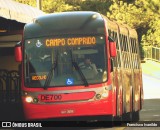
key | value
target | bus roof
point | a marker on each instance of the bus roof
(121, 28)
(74, 22)
(66, 22)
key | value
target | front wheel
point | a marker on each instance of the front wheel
(117, 120)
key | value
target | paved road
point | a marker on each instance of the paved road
(151, 110)
(151, 86)
(149, 114)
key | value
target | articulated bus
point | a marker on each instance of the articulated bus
(79, 64)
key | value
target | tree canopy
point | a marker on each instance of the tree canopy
(143, 15)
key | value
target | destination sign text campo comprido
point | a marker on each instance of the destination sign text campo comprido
(70, 41)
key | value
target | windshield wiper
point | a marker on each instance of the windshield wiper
(74, 63)
(80, 73)
(50, 74)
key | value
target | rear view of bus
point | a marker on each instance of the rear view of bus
(66, 66)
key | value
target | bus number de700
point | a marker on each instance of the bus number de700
(50, 97)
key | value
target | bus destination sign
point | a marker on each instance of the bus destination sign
(75, 41)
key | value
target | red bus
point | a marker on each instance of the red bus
(79, 64)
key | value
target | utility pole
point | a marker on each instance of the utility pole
(39, 4)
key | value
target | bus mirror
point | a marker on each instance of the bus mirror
(18, 52)
(113, 52)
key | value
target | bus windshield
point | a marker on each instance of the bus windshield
(68, 61)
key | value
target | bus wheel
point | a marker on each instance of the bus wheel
(127, 117)
(135, 116)
(117, 120)
(106, 121)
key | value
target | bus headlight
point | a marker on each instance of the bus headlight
(29, 99)
(105, 94)
(98, 96)
(35, 100)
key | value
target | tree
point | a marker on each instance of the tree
(50, 6)
(28, 2)
(143, 15)
(151, 38)
(134, 14)
(100, 6)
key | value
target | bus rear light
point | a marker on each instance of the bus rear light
(29, 99)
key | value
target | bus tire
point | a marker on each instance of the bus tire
(117, 120)
(127, 117)
(135, 116)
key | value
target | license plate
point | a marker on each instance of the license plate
(67, 111)
(50, 97)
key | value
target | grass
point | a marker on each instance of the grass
(151, 68)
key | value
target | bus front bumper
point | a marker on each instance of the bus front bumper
(77, 109)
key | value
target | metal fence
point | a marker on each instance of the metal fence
(152, 53)
(9, 86)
